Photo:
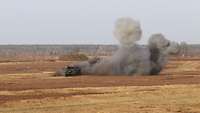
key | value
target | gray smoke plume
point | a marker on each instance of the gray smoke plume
(158, 46)
(127, 31)
(132, 58)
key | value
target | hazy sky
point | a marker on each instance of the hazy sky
(92, 21)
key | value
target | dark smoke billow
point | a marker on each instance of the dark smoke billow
(131, 58)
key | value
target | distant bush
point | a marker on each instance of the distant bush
(74, 57)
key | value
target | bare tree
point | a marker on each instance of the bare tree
(184, 49)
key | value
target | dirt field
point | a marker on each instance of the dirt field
(28, 87)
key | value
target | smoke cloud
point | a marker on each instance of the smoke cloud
(131, 58)
(127, 31)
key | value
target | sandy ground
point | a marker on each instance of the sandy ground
(28, 87)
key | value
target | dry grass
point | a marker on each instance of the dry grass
(151, 99)
(130, 99)
(179, 67)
